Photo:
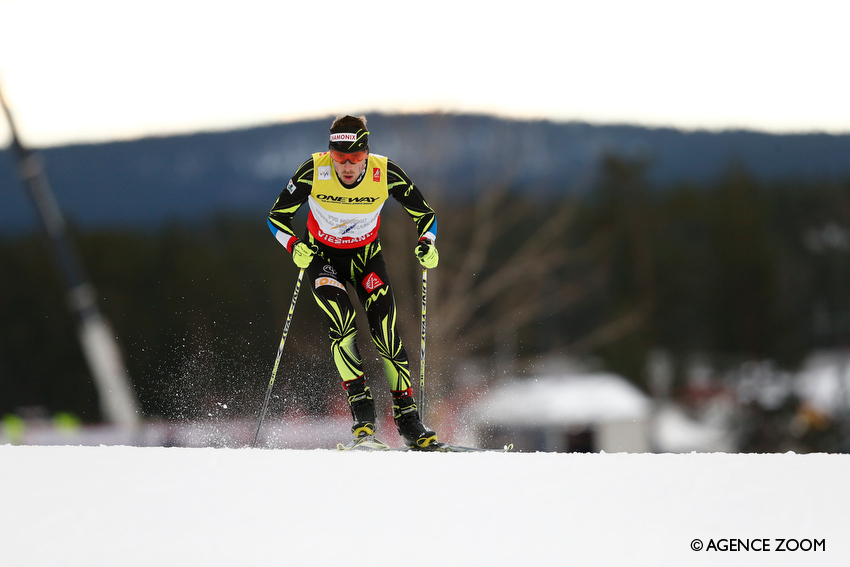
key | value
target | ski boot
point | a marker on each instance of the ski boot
(363, 412)
(406, 416)
(362, 407)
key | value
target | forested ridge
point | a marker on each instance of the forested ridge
(551, 241)
(736, 270)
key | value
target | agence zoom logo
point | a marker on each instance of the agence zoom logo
(759, 544)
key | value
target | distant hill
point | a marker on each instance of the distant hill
(147, 182)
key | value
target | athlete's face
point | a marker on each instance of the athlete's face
(349, 171)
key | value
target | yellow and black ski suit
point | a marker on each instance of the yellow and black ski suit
(343, 225)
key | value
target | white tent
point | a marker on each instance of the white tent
(589, 412)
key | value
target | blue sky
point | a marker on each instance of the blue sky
(95, 70)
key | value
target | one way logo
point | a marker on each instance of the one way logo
(372, 282)
(345, 200)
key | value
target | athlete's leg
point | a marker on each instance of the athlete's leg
(376, 295)
(375, 292)
(332, 297)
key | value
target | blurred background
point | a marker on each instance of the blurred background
(644, 220)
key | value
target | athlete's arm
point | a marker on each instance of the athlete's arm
(290, 200)
(405, 192)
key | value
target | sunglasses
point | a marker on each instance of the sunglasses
(353, 157)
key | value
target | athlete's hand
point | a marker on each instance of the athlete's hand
(427, 253)
(302, 254)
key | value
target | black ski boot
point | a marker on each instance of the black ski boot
(362, 407)
(406, 416)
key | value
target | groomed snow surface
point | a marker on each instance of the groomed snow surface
(126, 506)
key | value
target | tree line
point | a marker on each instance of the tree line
(736, 270)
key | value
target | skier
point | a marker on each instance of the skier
(346, 188)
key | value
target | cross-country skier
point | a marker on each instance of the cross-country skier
(346, 187)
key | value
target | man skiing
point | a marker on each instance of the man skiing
(346, 188)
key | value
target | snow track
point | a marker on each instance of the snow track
(108, 506)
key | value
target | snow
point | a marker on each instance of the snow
(122, 505)
(678, 433)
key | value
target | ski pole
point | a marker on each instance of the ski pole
(422, 345)
(279, 353)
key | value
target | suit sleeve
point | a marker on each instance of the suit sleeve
(290, 200)
(405, 192)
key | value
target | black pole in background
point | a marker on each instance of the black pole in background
(117, 398)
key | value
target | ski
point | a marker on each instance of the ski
(364, 443)
(370, 443)
(438, 447)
